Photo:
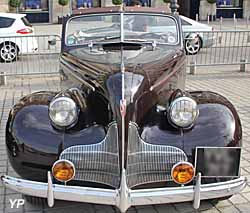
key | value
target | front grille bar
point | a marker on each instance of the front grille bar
(146, 162)
(97, 162)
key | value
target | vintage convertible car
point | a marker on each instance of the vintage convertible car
(123, 131)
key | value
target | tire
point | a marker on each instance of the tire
(38, 201)
(8, 52)
(193, 46)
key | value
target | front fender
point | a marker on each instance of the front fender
(33, 144)
(218, 124)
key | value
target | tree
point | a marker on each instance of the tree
(211, 1)
(117, 2)
(15, 4)
(63, 3)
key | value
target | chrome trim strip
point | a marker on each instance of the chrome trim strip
(122, 26)
(124, 197)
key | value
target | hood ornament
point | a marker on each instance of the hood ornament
(123, 107)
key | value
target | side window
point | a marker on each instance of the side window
(183, 22)
(6, 22)
(26, 22)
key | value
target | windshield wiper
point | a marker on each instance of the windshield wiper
(106, 38)
(144, 41)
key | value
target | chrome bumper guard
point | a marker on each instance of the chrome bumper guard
(124, 197)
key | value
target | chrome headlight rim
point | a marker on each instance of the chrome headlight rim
(75, 108)
(170, 112)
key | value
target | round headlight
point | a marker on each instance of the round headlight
(63, 111)
(183, 112)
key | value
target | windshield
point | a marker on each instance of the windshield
(135, 27)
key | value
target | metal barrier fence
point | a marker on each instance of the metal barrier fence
(218, 48)
(29, 55)
(39, 54)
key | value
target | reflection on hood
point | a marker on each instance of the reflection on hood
(143, 55)
(131, 85)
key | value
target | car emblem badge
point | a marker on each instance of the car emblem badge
(123, 106)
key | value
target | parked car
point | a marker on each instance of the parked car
(123, 130)
(197, 35)
(16, 36)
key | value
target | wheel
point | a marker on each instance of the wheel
(8, 52)
(35, 200)
(193, 45)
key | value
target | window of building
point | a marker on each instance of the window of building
(145, 3)
(34, 5)
(229, 3)
(79, 4)
(6, 22)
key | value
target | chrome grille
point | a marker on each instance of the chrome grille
(97, 162)
(147, 162)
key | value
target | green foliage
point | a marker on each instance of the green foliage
(167, 1)
(117, 2)
(211, 1)
(63, 2)
(15, 3)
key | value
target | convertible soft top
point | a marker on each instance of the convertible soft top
(163, 10)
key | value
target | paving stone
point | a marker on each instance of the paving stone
(222, 203)
(163, 208)
(246, 195)
(149, 209)
(2, 200)
(130, 210)
(211, 210)
(238, 199)
(205, 205)
(244, 207)
(103, 209)
(184, 207)
(228, 209)
(32, 207)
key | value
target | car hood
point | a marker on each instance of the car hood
(132, 75)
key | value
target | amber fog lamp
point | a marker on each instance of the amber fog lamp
(63, 170)
(182, 172)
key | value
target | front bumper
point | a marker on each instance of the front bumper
(123, 197)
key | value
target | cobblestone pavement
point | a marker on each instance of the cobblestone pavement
(234, 85)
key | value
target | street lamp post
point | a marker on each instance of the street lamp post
(174, 6)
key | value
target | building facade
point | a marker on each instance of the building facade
(48, 11)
